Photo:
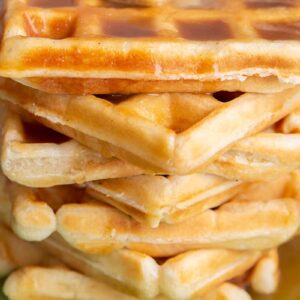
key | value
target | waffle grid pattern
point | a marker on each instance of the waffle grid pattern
(231, 20)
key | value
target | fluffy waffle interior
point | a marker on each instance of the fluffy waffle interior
(165, 140)
(183, 40)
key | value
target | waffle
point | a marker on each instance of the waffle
(170, 199)
(191, 41)
(34, 156)
(179, 196)
(28, 157)
(85, 86)
(140, 274)
(63, 284)
(144, 278)
(147, 277)
(162, 140)
(135, 195)
(228, 291)
(265, 275)
(86, 224)
(19, 284)
(16, 253)
(32, 218)
(31, 212)
(35, 283)
(235, 225)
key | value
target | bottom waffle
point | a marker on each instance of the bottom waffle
(16, 253)
(198, 270)
(60, 284)
(187, 275)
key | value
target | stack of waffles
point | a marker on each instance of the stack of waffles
(149, 148)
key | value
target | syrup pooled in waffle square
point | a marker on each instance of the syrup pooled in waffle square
(173, 133)
(46, 43)
(36, 156)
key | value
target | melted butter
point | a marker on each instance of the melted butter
(204, 30)
(269, 3)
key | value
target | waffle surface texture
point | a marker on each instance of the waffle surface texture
(79, 46)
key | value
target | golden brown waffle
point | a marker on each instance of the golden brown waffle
(16, 253)
(166, 141)
(35, 156)
(31, 212)
(170, 199)
(146, 277)
(228, 291)
(126, 270)
(61, 284)
(191, 40)
(87, 86)
(46, 279)
(176, 277)
(236, 225)
(36, 283)
(86, 225)
(265, 275)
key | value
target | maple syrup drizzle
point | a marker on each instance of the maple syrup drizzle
(204, 30)
(269, 3)
(126, 27)
(51, 3)
(279, 31)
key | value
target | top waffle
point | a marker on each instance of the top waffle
(182, 40)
